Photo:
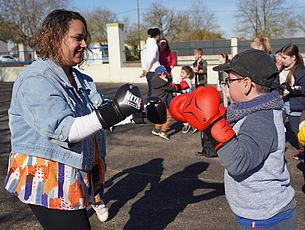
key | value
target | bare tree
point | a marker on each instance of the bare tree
(300, 22)
(201, 17)
(270, 18)
(195, 23)
(161, 17)
(97, 21)
(20, 18)
(181, 27)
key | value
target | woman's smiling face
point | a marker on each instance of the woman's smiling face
(74, 44)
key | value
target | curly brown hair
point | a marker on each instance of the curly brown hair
(48, 38)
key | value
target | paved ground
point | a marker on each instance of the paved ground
(151, 183)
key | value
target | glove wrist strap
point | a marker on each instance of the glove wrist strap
(216, 144)
(108, 115)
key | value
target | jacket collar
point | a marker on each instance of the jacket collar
(61, 75)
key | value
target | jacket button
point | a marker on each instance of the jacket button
(61, 136)
(96, 102)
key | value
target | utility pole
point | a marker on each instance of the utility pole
(139, 27)
(256, 19)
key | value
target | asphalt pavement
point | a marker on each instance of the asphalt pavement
(151, 183)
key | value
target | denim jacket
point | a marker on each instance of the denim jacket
(43, 108)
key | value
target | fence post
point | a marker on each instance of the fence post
(234, 46)
(116, 45)
(21, 52)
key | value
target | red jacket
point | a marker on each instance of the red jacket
(167, 59)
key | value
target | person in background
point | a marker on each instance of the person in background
(262, 43)
(150, 57)
(292, 80)
(163, 88)
(57, 120)
(167, 57)
(221, 83)
(186, 74)
(200, 68)
(279, 60)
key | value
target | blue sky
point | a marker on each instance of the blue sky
(224, 10)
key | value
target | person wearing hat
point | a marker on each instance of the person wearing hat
(162, 88)
(249, 138)
(150, 56)
(167, 57)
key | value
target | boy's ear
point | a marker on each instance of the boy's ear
(247, 85)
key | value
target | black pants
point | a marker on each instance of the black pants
(61, 219)
(292, 129)
(149, 77)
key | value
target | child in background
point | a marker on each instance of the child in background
(187, 75)
(263, 43)
(162, 88)
(221, 83)
(200, 68)
(279, 60)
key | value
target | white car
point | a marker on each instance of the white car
(8, 58)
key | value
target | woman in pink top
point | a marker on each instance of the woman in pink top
(166, 56)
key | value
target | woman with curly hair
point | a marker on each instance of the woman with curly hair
(56, 165)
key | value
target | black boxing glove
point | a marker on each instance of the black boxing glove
(155, 112)
(127, 100)
(293, 91)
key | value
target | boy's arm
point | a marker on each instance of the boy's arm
(255, 140)
(203, 67)
(158, 83)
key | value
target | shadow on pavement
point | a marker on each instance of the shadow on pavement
(132, 181)
(175, 128)
(162, 203)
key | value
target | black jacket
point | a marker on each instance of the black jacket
(162, 88)
(298, 103)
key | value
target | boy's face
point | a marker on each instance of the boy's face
(238, 87)
(197, 55)
(163, 74)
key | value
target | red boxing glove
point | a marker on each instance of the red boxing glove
(220, 132)
(202, 110)
(183, 85)
(201, 107)
(176, 106)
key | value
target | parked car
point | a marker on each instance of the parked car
(8, 58)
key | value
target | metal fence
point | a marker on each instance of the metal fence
(181, 49)
(25, 57)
